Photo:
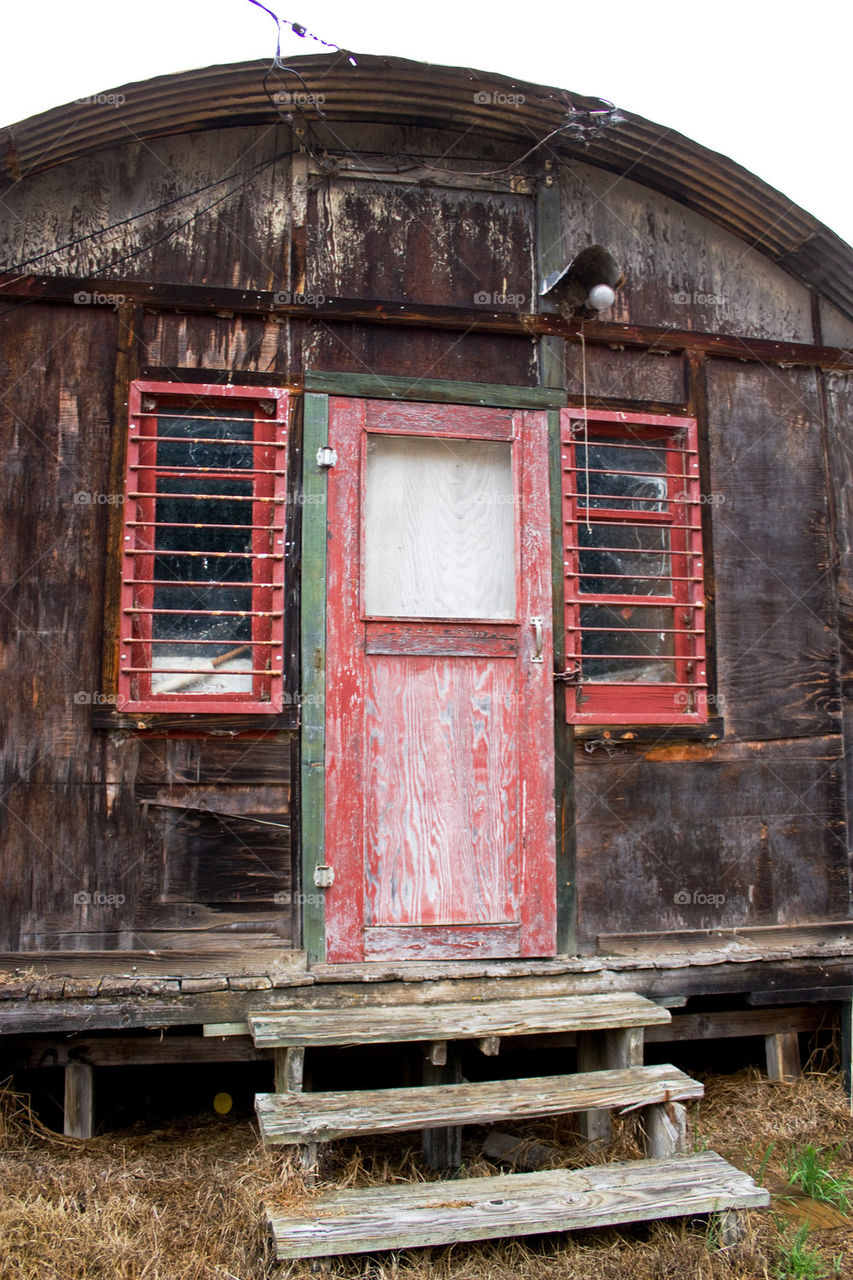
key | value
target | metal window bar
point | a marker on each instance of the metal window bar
(240, 422)
(211, 497)
(602, 700)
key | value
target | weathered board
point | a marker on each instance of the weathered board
(289, 1118)
(513, 1204)
(396, 1024)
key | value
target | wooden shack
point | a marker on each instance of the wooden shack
(383, 631)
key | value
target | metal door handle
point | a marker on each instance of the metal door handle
(536, 624)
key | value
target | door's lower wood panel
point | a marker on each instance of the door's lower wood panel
(443, 942)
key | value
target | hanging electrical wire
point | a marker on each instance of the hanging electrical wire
(143, 213)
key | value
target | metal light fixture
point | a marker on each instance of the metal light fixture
(587, 285)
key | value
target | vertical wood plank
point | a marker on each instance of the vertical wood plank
(847, 1050)
(442, 1148)
(344, 745)
(289, 1069)
(783, 1056)
(313, 650)
(604, 1051)
(666, 1130)
(79, 1100)
(130, 319)
(552, 373)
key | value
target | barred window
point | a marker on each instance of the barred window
(202, 599)
(635, 647)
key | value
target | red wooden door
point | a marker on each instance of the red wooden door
(439, 711)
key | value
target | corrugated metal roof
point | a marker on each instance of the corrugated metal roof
(395, 90)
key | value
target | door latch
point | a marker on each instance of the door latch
(324, 877)
(538, 633)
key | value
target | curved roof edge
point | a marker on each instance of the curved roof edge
(396, 90)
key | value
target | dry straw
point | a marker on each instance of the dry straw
(188, 1202)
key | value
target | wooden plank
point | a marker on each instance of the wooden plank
(438, 391)
(666, 1130)
(395, 1217)
(783, 1056)
(79, 1121)
(396, 312)
(125, 1051)
(441, 1145)
(292, 1118)
(553, 356)
(414, 942)
(313, 651)
(808, 995)
(225, 956)
(289, 1070)
(390, 1024)
(600, 1050)
(740, 1022)
(130, 318)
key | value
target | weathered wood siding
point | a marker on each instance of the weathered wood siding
(110, 839)
(682, 271)
(381, 240)
(186, 838)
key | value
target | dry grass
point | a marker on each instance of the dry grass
(187, 1202)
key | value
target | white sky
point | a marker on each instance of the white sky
(765, 83)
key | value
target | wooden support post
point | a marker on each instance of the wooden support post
(289, 1075)
(289, 1070)
(79, 1100)
(436, 1053)
(603, 1051)
(309, 1163)
(847, 1050)
(666, 1130)
(490, 1046)
(442, 1148)
(783, 1056)
(731, 1227)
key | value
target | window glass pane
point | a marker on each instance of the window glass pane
(602, 473)
(625, 560)
(203, 542)
(620, 643)
(439, 528)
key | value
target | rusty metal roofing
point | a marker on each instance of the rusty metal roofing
(398, 91)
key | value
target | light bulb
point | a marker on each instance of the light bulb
(601, 296)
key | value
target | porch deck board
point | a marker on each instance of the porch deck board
(294, 1118)
(399, 1023)
(437, 1213)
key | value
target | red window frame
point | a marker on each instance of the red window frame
(148, 401)
(682, 699)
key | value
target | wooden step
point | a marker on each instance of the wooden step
(518, 1204)
(386, 1024)
(293, 1118)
